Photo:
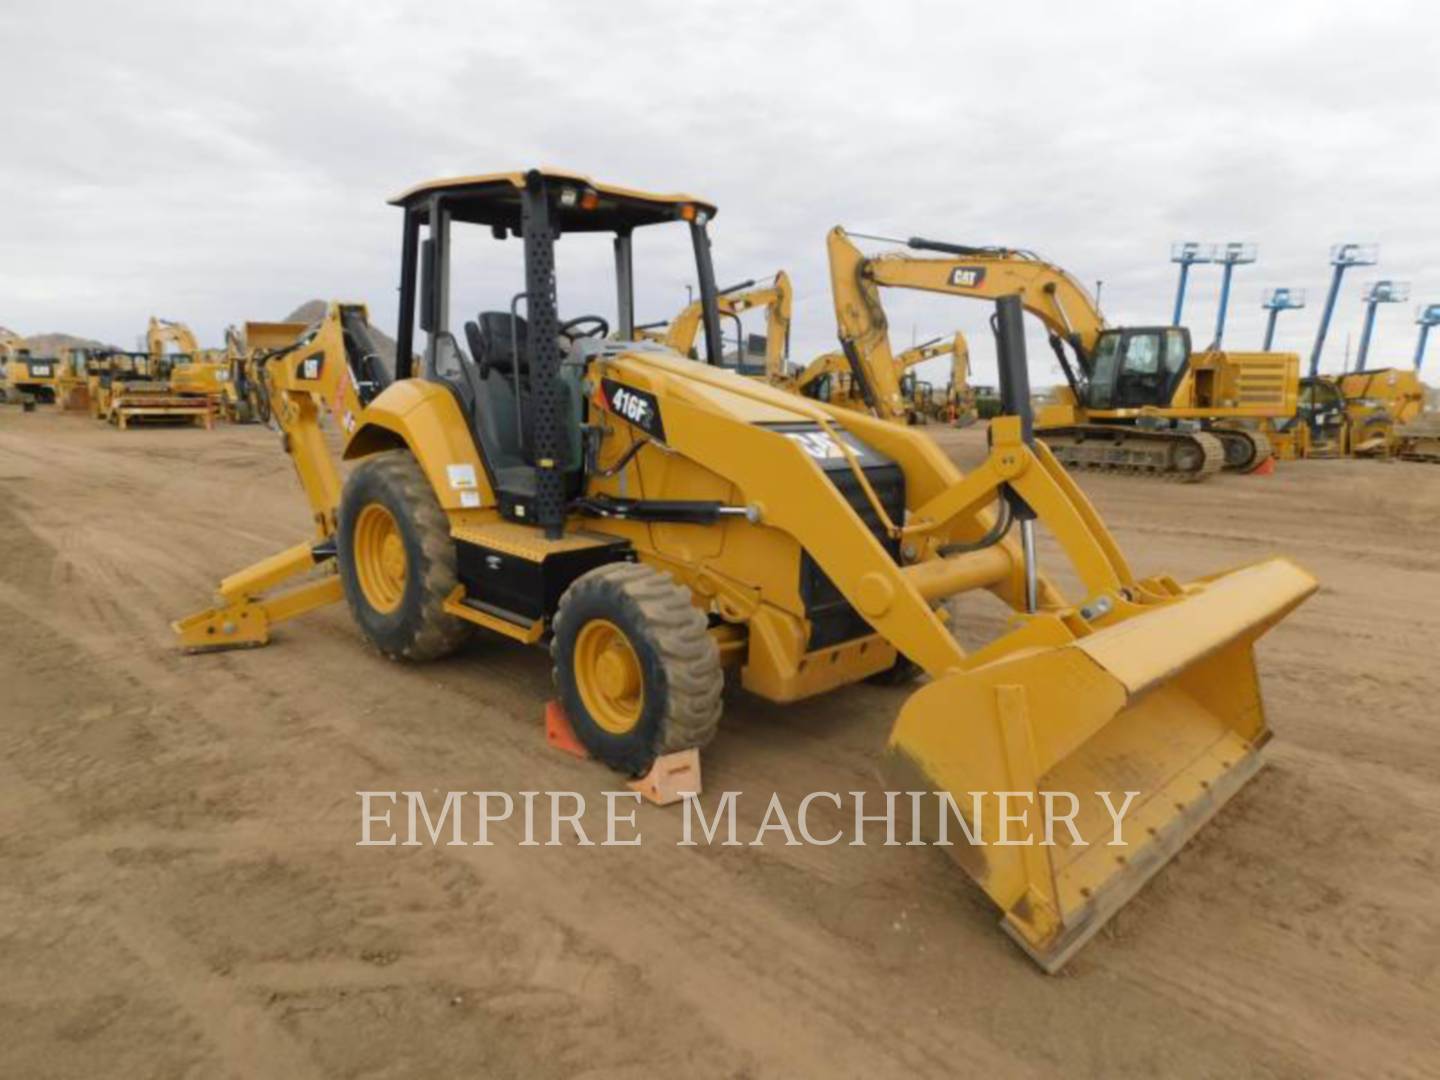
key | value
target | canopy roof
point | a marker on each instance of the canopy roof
(494, 199)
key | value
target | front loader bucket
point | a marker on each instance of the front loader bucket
(1165, 703)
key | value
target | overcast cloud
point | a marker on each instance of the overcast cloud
(217, 162)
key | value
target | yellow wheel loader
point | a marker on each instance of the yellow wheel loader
(247, 398)
(1362, 414)
(72, 388)
(1136, 400)
(656, 519)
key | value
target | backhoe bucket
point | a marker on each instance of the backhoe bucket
(1164, 701)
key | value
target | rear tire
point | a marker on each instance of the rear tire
(638, 673)
(397, 560)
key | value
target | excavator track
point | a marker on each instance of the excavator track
(1245, 451)
(1184, 456)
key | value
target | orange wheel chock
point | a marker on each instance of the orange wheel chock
(670, 779)
(559, 733)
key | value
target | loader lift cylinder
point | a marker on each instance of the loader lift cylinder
(1014, 377)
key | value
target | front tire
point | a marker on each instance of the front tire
(397, 560)
(638, 673)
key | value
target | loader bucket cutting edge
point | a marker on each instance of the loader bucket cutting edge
(1165, 703)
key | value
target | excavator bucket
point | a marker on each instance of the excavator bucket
(1161, 699)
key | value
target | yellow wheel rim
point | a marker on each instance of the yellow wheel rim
(608, 676)
(380, 563)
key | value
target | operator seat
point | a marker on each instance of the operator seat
(504, 425)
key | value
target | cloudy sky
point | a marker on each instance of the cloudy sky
(216, 162)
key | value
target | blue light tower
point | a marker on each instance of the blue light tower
(1231, 256)
(1427, 316)
(1342, 257)
(1276, 301)
(1187, 255)
(1377, 293)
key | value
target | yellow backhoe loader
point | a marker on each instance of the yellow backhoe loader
(1137, 400)
(656, 519)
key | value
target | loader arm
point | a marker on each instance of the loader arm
(1144, 685)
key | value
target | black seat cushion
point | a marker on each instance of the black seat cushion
(494, 339)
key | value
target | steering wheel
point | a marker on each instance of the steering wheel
(598, 327)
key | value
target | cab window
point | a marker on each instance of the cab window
(1142, 354)
(1177, 351)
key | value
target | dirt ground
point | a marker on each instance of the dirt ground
(181, 894)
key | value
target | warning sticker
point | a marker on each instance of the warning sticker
(462, 477)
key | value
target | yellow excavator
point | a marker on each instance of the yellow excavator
(24, 377)
(656, 519)
(1136, 398)
(194, 372)
(926, 401)
(894, 394)
(773, 349)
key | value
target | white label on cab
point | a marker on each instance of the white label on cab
(462, 477)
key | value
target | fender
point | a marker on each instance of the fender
(423, 417)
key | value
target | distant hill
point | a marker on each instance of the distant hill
(51, 344)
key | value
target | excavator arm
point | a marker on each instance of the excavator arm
(1045, 290)
(778, 300)
(303, 375)
(163, 332)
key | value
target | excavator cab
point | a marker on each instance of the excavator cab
(1132, 367)
(517, 376)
